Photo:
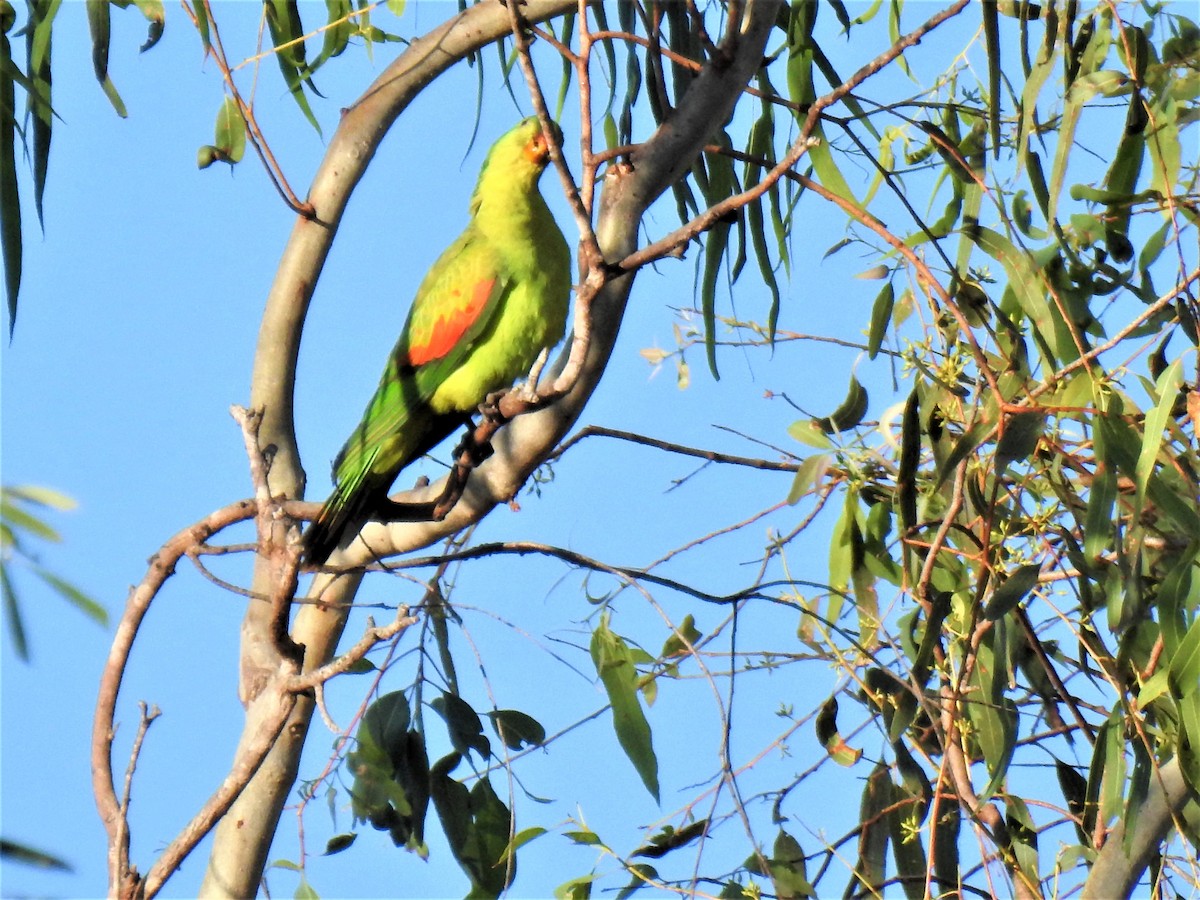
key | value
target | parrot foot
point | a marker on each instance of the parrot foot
(490, 408)
(526, 391)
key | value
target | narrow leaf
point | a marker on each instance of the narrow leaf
(1167, 388)
(74, 596)
(10, 200)
(1012, 591)
(614, 665)
(881, 317)
(991, 36)
(12, 615)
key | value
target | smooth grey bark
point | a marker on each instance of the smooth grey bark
(1118, 869)
(243, 838)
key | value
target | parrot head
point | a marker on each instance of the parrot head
(520, 156)
(513, 167)
(537, 148)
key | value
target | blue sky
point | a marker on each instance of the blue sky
(139, 313)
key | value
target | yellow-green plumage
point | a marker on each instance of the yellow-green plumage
(493, 300)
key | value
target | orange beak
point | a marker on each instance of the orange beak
(537, 151)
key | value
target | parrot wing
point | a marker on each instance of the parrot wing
(455, 305)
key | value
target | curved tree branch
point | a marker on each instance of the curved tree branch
(1117, 869)
(243, 837)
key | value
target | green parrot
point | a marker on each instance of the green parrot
(490, 304)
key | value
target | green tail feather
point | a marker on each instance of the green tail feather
(350, 504)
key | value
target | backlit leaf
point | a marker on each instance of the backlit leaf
(1167, 388)
(614, 665)
(827, 733)
(881, 317)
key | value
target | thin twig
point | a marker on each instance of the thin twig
(373, 635)
(672, 447)
(246, 111)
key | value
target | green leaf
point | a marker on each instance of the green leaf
(993, 715)
(669, 839)
(230, 140)
(19, 519)
(1084, 89)
(1162, 140)
(1112, 785)
(336, 35)
(1074, 789)
(1035, 80)
(827, 171)
(1184, 667)
(42, 496)
(808, 431)
(849, 414)
(10, 200)
(1022, 834)
(827, 733)
(991, 36)
(614, 665)
(386, 720)
(1122, 177)
(881, 317)
(156, 17)
(788, 869)
(1098, 522)
(915, 782)
(339, 842)
(463, 724)
(910, 457)
(642, 873)
(715, 177)
(516, 729)
(477, 826)
(521, 838)
(870, 870)
(14, 852)
(99, 24)
(945, 843)
(1012, 591)
(38, 93)
(584, 838)
(202, 26)
(1027, 285)
(866, 598)
(575, 889)
(801, 20)
(74, 596)
(966, 445)
(12, 615)
(808, 476)
(305, 891)
(1167, 388)
(283, 22)
(1022, 432)
(676, 645)
(391, 773)
(908, 850)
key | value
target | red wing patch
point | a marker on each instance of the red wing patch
(451, 324)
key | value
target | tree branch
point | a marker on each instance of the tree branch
(1117, 871)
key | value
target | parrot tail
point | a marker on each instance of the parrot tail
(351, 503)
